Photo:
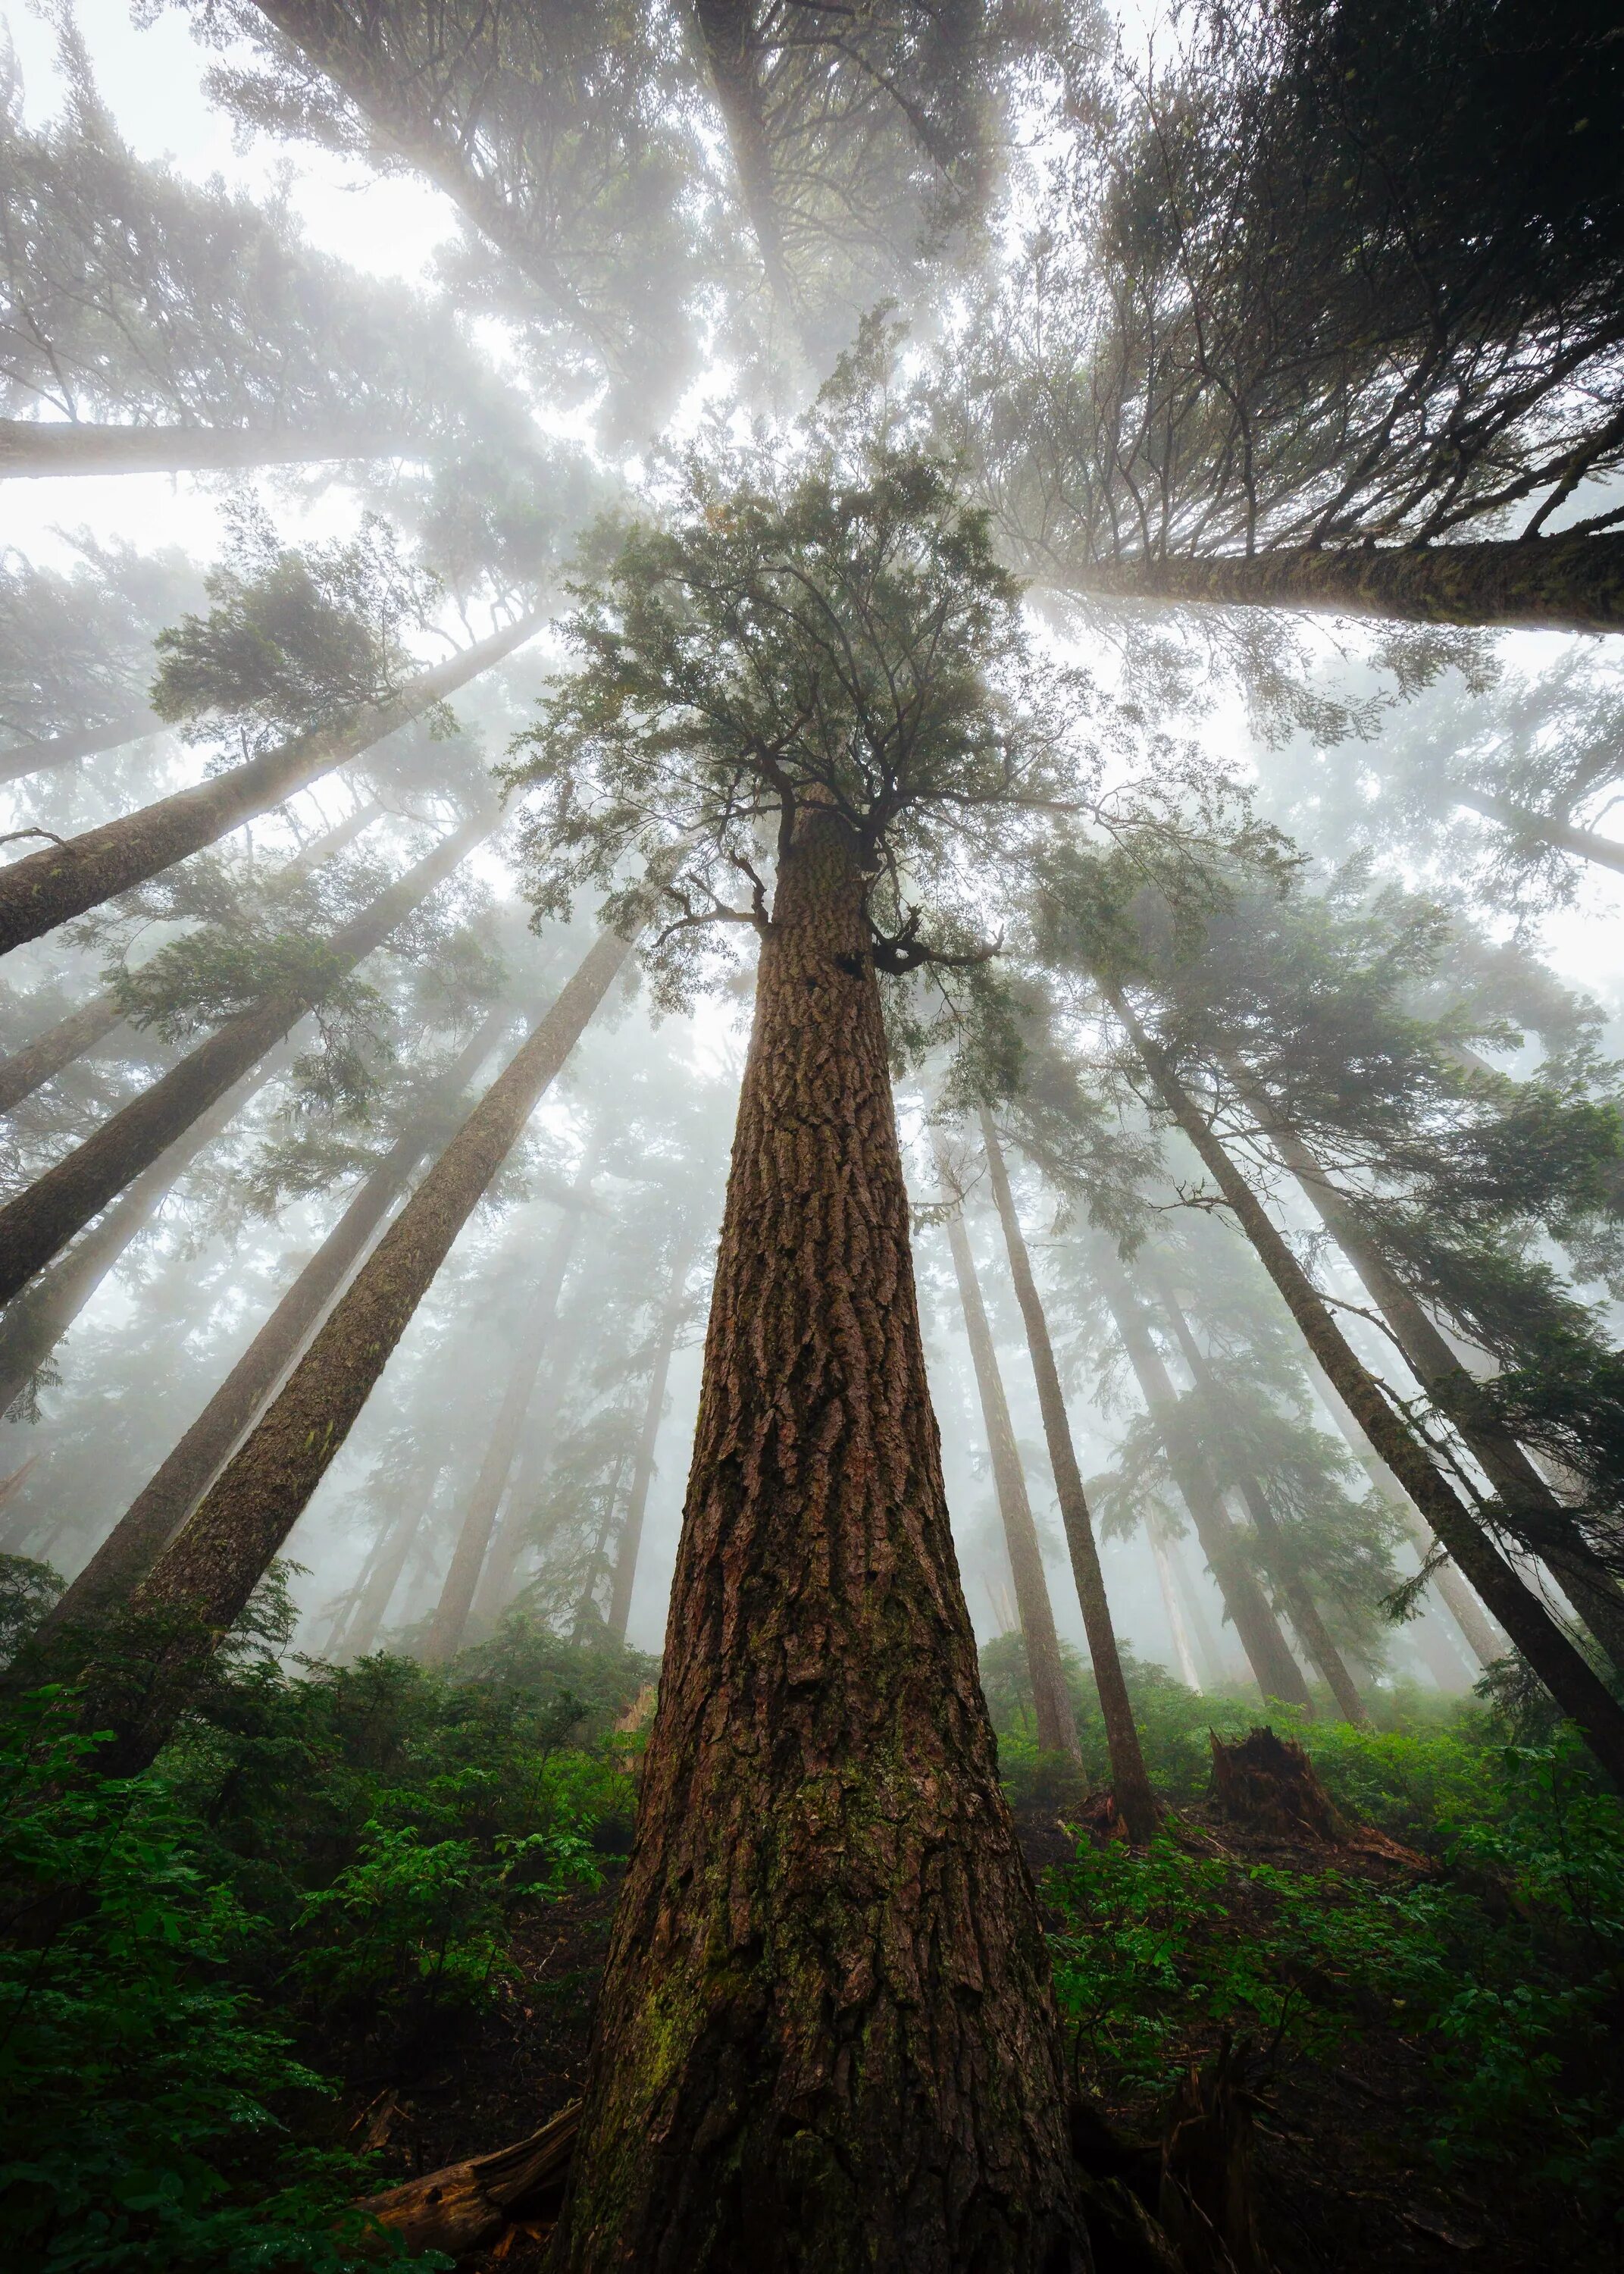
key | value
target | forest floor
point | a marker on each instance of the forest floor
(1342, 2176)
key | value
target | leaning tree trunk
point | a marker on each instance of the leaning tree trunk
(1563, 836)
(1275, 1671)
(203, 1578)
(30, 1067)
(826, 2014)
(47, 889)
(1056, 1724)
(456, 1596)
(1552, 583)
(45, 447)
(18, 760)
(162, 1505)
(1579, 1692)
(356, 1628)
(40, 1220)
(1544, 1519)
(1130, 1779)
(630, 1544)
(728, 34)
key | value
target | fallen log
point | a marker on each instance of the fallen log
(461, 2206)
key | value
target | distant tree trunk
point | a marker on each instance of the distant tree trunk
(1278, 1551)
(47, 889)
(162, 1505)
(511, 1536)
(1057, 1723)
(40, 1220)
(586, 1608)
(1275, 1671)
(1178, 1625)
(728, 32)
(18, 760)
(34, 1066)
(1457, 1394)
(456, 1597)
(203, 1578)
(1130, 1779)
(56, 447)
(1581, 1693)
(643, 1473)
(358, 1626)
(826, 2025)
(1606, 852)
(1551, 584)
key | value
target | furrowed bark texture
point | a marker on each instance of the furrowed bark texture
(1275, 1671)
(1557, 583)
(1458, 1395)
(456, 1597)
(1056, 1724)
(40, 1220)
(826, 2040)
(630, 1542)
(45, 448)
(1606, 852)
(1130, 1779)
(18, 760)
(1581, 1693)
(162, 1505)
(47, 889)
(205, 1577)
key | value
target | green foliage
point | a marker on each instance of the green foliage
(27, 1590)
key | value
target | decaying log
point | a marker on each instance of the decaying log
(1269, 1786)
(1207, 2207)
(464, 2205)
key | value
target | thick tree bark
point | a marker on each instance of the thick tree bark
(826, 2036)
(45, 889)
(205, 1577)
(630, 1544)
(40, 1220)
(55, 447)
(1579, 1692)
(1551, 584)
(1130, 1779)
(356, 1628)
(162, 1505)
(1275, 1671)
(18, 760)
(1457, 1394)
(1056, 1724)
(1606, 852)
(456, 1596)
(30, 1067)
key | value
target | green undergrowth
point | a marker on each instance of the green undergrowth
(319, 1878)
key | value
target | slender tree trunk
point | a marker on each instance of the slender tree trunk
(1275, 1671)
(643, 1473)
(450, 1621)
(1606, 852)
(586, 1609)
(162, 1505)
(1130, 1779)
(358, 1629)
(1208, 1648)
(1581, 1693)
(1056, 1724)
(19, 760)
(201, 1582)
(496, 1587)
(1552, 583)
(1178, 1625)
(47, 889)
(826, 2028)
(1546, 1520)
(34, 1064)
(40, 1220)
(55, 447)
(1279, 1552)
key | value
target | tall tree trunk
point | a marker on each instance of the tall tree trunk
(586, 1608)
(1056, 1724)
(1551, 584)
(1275, 1671)
(47, 889)
(1579, 1692)
(357, 1630)
(450, 1620)
(1130, 1779)
(30, 1067)
(1606, 852)
(1546, 1521)
(1178, 1625)
(162, 1505)
(513, 1535)
(1279, 1552)
(727, 36)
(643, 1474)
(19, 760)
(826, 2014)
(202, 1581)
(40, 1220)
(55, 447)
